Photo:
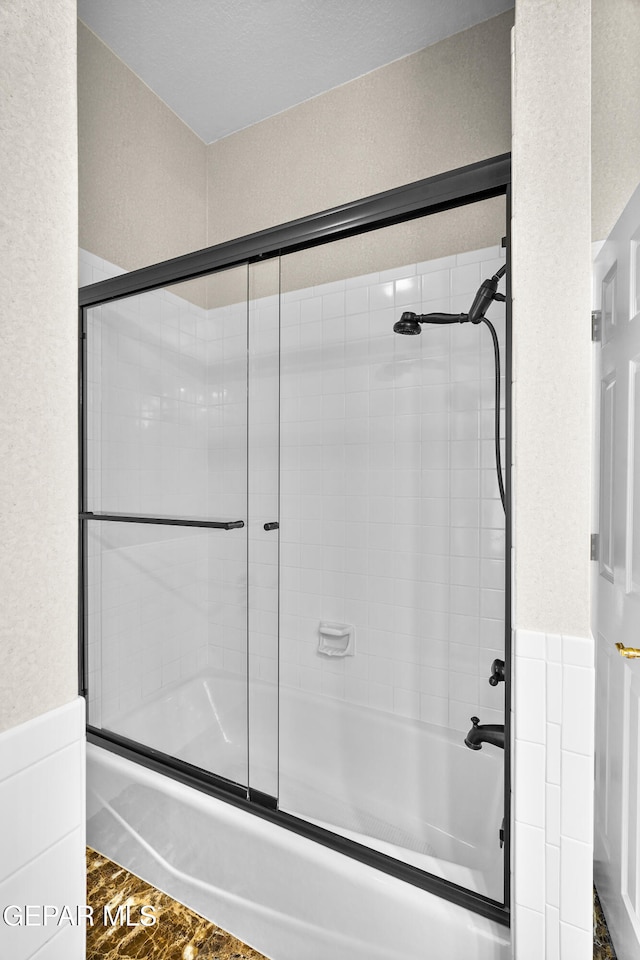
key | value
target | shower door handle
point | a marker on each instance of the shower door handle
(274, 525)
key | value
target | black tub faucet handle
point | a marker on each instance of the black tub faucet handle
(497, 673)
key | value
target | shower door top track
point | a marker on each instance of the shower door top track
(456, 188)
(478, 181)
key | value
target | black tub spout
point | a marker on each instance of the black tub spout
(484, 733)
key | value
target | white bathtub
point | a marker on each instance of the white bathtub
(411, 790)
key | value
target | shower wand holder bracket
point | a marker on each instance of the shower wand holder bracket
(336, 639)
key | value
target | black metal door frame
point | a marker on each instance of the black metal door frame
(465, 185)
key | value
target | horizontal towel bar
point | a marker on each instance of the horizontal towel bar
(170, 521)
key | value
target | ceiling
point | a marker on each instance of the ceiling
(222, 65)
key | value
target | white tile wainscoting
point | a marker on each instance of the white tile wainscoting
(553, 782)
(42, 830)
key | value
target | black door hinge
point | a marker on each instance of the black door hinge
(595, 546)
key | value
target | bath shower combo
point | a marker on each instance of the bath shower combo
(409, 325)
(293, 577)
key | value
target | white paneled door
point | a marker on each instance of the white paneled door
(617, 608)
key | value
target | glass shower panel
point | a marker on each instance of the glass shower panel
(147, 403)
(151, 621)
(264, 515)
(165, 501)
(392, 545)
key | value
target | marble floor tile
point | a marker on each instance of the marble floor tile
(602, 945)
(178, 934)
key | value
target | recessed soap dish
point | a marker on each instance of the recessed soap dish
(336, 639)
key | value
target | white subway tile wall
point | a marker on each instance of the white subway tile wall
(166, 428)
(148, 624)
(224, 339)
(390, 512)
(390, 517)
(553, 816)
(147, 402)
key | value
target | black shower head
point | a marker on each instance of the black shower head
(407, 324)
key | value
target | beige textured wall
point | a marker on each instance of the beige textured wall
(38, 338)
(443, 107)
(615, 109)
(142, 170)
(150, 189)
(552, 304)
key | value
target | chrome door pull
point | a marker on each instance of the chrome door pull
(631, 653)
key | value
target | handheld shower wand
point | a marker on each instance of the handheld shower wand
(409, 325)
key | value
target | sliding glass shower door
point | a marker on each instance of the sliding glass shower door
(392, 595)
(294, 540)
(165, 508)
